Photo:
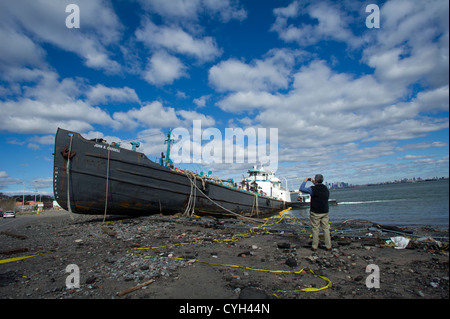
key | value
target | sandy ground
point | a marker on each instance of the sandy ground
(206, 258)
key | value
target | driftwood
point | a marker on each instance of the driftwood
(13, 251)
(19, 236)
(127, 291)
(392, 228)
(109, 231)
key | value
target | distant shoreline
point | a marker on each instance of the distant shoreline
(409, 181)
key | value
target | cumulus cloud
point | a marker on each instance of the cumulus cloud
(150, 115)
(412, 44)
(45, 21)
(49, 104)
(328, 118)
(190, 116)
(434, 100)
(235, 75)
(101, 94)
(17, 49)
(163, 68)
(269, 74)
(191, 10)
(176, 40)
(387, 87)
(328, 22)
(201, 101)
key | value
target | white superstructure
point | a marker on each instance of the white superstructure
(266, 183)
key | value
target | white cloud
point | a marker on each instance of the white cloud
(271, 74)
(190, 116)
(42, 183)
(314, 88)
(163, 68)
(434, 100)
(27, 116)
(411, 44)
(6, 180)
(322, 111)
(177, 40)
(330, 23)
(35, 142)
(408, 129)
(201, 101)
(391, 67)
(190, 10)
(101, 94)
(175, 8)
(421, 145)
(291, 11)
(150, 115)
(326, 118)
(48, 104)
(249, 100)
(45, 21)
(17, 49)
(155, 116)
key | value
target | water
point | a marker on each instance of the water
(424, 203)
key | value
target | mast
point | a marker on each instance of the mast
(169, 142)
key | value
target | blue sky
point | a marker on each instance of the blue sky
(356, 104)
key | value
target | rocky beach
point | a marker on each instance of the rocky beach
(174, 257)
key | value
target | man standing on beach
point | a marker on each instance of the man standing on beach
(319, 210)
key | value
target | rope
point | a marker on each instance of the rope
(190, 207)
(256, 204)
(107, 187)
(217, 204)
(253, 230)
(68, 178)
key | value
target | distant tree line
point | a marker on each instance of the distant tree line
(9, 202)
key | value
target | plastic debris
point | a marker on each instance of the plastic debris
(398, 242)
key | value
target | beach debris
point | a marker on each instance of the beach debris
(254, 293)
(284, 245)
(434, 284)
(245, 254)
(13, 251)
(392, 228)
(429, 240)
(91, 280)
(140, 286)
(398, 242)
(8, 277)
(109, 231)
(19, 236)
(291, 262)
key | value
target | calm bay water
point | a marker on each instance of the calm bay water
(423, 203)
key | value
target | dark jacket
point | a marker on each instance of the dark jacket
(319, 199)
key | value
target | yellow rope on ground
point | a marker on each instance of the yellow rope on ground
(310, 289)
(9, 260)
(235, 237)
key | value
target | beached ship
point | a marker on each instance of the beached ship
(94, 177)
